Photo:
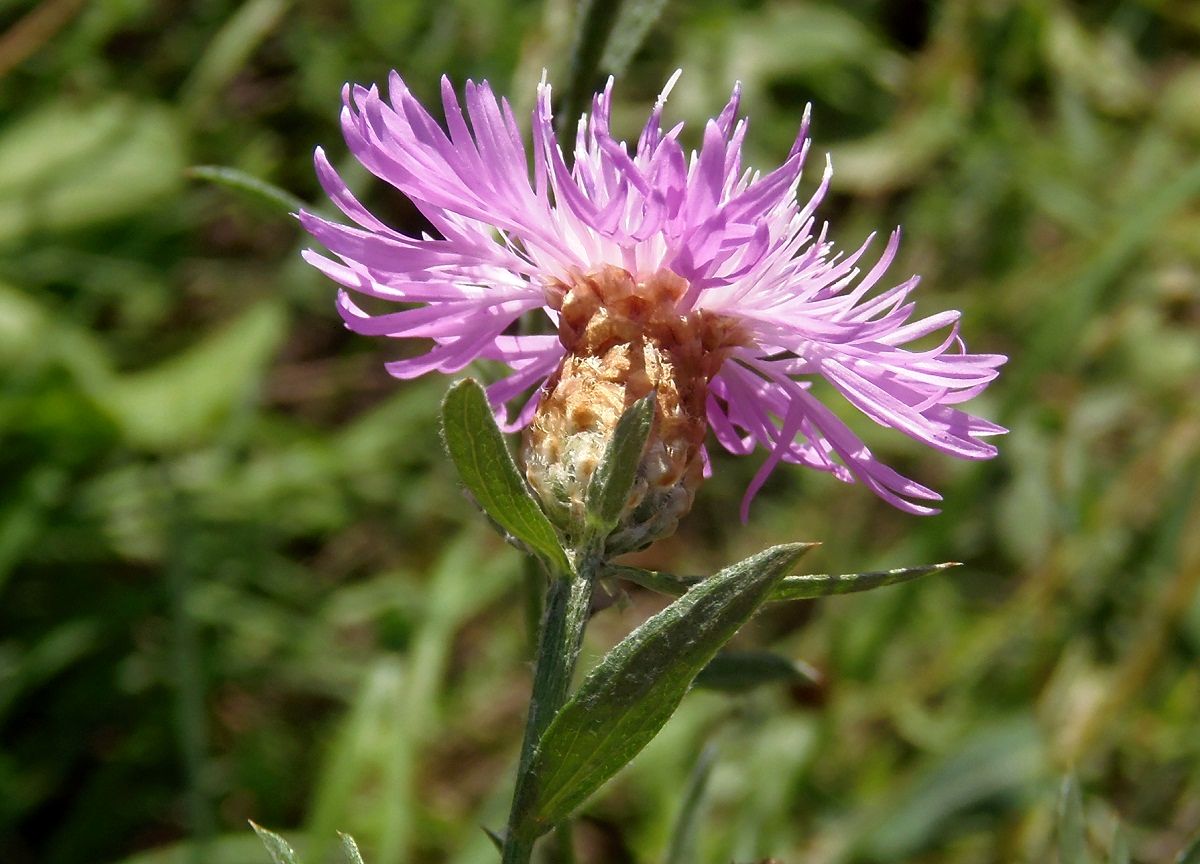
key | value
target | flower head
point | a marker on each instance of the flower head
(688, 275)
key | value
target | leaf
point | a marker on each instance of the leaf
(742, 671)
(804, 587)
(180, 401)
(23, 323)
(281, 852)
(232, 178)
(633, 25)
(350, 849)
(70, 165)
(635, 689)
(36, 664)
(1119, 854)
(900, 155)
(496, 837)
(1049, 343)
(1070, 823)
(1002, 760)
(186, 397)
(377, 753)
(608, 492)
(477, 448)
(683, 836)
(655, 580)
(1190, 853)
(812, 585)
(234, 848)
(228, 52)
(369, 748)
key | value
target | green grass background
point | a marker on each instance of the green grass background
(237, 580)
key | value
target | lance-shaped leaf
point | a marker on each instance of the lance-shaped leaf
(633, 691)
(613, 479)
(279, 199)
(1190, 854)
(476, 446)
(1071, 829)
(350, 849)
(743, 671)
(809, 585)
(1119, 854)
(681, 849)
(496, 837)
(803, 587)
(277, 847)
(633, 24)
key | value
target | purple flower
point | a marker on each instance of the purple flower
(747, 251)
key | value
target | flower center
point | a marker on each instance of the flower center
(624, 339)
(640, 340)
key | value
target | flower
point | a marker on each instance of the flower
(719, 270)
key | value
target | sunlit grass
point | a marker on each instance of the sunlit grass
(238, 580)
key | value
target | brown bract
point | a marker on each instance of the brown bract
(624, 339)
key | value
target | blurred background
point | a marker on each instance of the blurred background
(237, 580)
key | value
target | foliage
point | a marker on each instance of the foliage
(238, 581)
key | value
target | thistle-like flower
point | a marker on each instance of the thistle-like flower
(695, 278)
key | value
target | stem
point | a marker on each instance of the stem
(594, 25)
(566, 842)
(189, 694)
(533, 586)
(567, 602)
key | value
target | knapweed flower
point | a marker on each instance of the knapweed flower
(691, 276)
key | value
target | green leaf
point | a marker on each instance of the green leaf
(743, 671)
(633, 25)
(229, 51)
(1002, 759)
(378, 748)
(234, 848)
(681, 849)
(74, 164)
(496, 838)
(350, 849)
(1119, 854)
(609, 489)
(812, 585)
(370, 743)
(804, 587)
(635, 689)
(477, 448)
(1070, 823)
(1190, 853)
(281, 852)
(655, 580)
(38, 662)
(187, 397)
(277, 198)
(180, 401)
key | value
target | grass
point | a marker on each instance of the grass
(236, 578)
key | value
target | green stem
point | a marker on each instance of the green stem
(595, 21)
(561, 636)
(189, 694)
(566, 842)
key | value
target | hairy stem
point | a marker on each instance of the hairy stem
(561, 635)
